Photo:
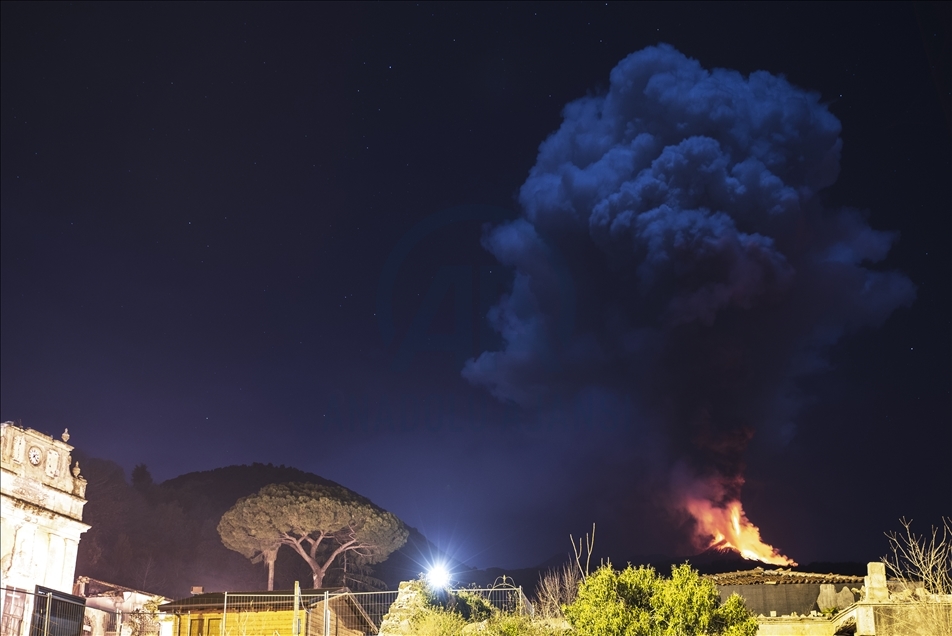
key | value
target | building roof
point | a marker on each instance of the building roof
(89, 587)
(780, 576)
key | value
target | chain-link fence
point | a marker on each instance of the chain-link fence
(504, 598)
(376, 604)
(43, 612)
(338, 612)
(335, 612)
(46, 612)
(314, 613)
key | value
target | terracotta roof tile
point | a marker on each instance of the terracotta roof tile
(760, 576)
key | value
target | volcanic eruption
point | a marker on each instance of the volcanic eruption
(722, 525)
(672, 252)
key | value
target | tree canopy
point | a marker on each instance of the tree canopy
(318, 522)
(639, 602)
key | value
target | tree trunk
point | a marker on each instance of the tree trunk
(318, 574)
(269, 556)
(317, 570)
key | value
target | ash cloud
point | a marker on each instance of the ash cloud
(682, 208)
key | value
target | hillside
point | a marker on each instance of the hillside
(163, 538)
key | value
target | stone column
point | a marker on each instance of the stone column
(24, 564)
(70, 547)
(875, 581)
(54, 562)
(39, 555)
(8, 535)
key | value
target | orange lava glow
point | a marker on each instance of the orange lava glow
(727, 527)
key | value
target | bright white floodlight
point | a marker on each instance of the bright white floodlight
(438, 577)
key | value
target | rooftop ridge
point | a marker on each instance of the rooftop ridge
(779, 576)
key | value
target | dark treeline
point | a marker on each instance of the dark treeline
(163, 538)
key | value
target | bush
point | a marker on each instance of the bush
(520, 625)
(556, 590)
(638, 602)
(472, 607)
(438, 622)
(452, 613)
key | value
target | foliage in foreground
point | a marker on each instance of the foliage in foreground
(923, 564)
(462, 612)
(449, 623)
(556, 590)
(630, 602)
(638, 602)
(922, 560)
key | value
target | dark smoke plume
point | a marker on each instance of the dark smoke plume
(707, 274)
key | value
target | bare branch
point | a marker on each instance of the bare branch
(924, 559)
(556, 589)
(589, 546)
(923, 564)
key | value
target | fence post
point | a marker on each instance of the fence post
(327, 613)
(296, 627)
(46, 621)
(224, 616)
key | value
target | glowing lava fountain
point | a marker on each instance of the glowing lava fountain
(727, 527)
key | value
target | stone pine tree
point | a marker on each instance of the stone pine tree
(319, 523)
(248, 530)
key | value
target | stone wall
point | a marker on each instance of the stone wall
(411, 600)
(913, 619)
(799, 598)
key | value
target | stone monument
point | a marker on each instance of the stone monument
(42, 495)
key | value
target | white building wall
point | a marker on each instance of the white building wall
(41, 501)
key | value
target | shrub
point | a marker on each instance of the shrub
(438, 622)
(556, 590)
(638, 602)
(520, 625)
(472, 607)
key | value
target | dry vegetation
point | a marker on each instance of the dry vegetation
(924, 564)
(557, 588)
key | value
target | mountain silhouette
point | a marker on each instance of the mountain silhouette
(163, 538)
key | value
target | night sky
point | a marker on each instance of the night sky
(331, 237)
